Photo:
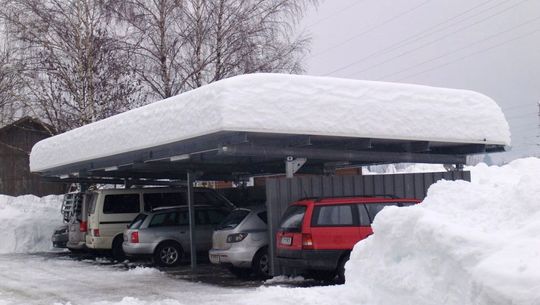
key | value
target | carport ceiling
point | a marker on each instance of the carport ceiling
(229, 155)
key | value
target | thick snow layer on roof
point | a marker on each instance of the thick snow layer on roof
(290, 104)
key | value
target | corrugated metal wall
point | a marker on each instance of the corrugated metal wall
(280, 192)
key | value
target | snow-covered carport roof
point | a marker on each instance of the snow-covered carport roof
(249, 124)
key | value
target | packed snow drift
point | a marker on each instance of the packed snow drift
(290, 104)
(27, 222)
(466, 243)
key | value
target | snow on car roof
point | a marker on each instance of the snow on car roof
(286, 104)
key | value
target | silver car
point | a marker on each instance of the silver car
(241, 242)
(164, 233)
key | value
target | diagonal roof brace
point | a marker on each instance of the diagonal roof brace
(292, 165)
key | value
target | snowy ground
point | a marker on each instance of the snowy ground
(38, 279)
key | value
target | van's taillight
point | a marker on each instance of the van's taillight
(96, 232)
(135, 237)
(307, 241)
(83, 226)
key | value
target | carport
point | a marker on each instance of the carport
(265, 124)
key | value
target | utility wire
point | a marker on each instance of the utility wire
(354, 3)
(416, 37)
(435, 40)
(462, 48)
(385, 22)
(471, 54)
(516, 107)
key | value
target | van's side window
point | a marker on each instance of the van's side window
(121, 203)
(363, 216)
(333, 215)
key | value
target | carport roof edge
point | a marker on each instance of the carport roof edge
(286, 105)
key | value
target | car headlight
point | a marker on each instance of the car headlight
(234, 238)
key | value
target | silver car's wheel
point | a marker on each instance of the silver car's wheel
(261, 263)
(168, 254)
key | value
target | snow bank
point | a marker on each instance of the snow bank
(27, 222)
(292, 104)
(466, 243)
(402, 168)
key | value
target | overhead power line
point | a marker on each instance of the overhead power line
(478, 42)
(370, 29)
(354, 3)
(426, 33)
(472, 54)
(431, 42)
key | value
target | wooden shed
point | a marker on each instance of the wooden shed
(16, 141)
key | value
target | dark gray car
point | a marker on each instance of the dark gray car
(60, 236)
(164, 233)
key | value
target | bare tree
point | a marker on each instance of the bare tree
(11, 107)
(181, 45)
(76, 69)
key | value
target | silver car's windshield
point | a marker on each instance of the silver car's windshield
(233, 219)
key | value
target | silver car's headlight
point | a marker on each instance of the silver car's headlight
(234, 238)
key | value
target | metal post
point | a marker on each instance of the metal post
(191, 210)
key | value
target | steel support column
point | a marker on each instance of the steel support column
(191, 209)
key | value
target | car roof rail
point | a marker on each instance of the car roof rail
(391, 196)
(181, 207)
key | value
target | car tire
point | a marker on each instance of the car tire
(168, 254)
(341, 270)
(117, 251)
(241, 273)
(261, 263)
(322, 275)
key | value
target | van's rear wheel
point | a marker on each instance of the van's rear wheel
(261, 263)
(168, 254)
(117, 251)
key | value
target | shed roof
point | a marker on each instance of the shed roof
(247, 113)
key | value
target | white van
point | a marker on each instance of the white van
(112, 210)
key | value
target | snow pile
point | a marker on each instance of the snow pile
(143, 271)
(466, 243)
(27, 222)
(292, 104)
(402, 168)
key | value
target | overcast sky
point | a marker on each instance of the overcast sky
(492, 47)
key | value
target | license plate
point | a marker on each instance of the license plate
(215, 258)
(286, 240)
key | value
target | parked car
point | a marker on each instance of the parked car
(111, 210)
(60, 236)
(316, 236)
(240, 242)
(164, 233)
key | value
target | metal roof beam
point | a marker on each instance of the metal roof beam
(339, 155)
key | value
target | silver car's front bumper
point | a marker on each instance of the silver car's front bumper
(236, 256)
(136, 249)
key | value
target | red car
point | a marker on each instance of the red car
(316, 236)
